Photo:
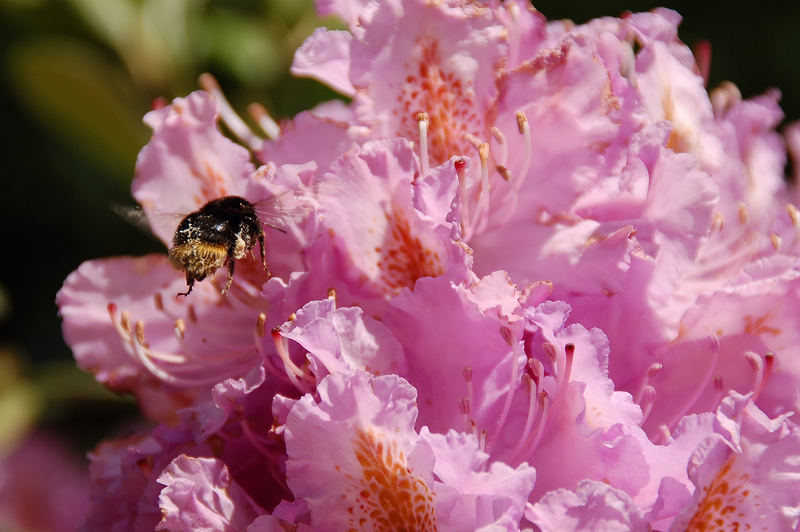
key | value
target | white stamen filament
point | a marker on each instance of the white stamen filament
(229, 116)
(423, 122)
(527, 142)
(700, 387)
(300, 379)
(533, 393)
(648, 376)
(516, 354)
(461, 172)
(267, 124)
(646, 401)
(482, 210)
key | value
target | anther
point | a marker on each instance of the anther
(647, 401)
(522, 122)
(158, 300)
(717, 221)
(261, 325)
(292, 317)
(550, 351)
(504, 172)
(725, 96)
(776, 241)
(713, 342)
(139, 329)
(743, 214)
(662, 435)
(180, 328)
(124, 322)
(505, 332)
(501, 153)
(651, 372)
(332, 295)
(472, 139)
(794, 214)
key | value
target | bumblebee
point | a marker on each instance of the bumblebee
(219, 233)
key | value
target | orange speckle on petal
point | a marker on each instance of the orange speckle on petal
(404, 257)
(389, 495)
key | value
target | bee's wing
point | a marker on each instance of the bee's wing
(281, 210)
(159, 224)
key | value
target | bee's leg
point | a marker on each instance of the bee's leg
(263, 254)
(190, 283)
(231, 264)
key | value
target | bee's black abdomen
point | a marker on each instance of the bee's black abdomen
(221, 231)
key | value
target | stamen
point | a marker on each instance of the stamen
(269, 365)
(332, 295)
(482, 212)
(719, 389)
(662, 435)
(299, 378)
(463, 406)
(758, 370)
(700, 387)
(501, 150)
(717, 221)
(260, 115)
(516, 354)
(725, 96)
(179, 328)
(228, 115)
(776, 241)
(504, 172)
(648, 377)
(646, 401)
(423, 122)
(794, 214)
(261, 325)
(460, 165)
(533, 392)
(158, 301)
(763, 371)
(467, 372)
(538, 432)
(550, 350)
(525, 131)
(125, 323)
(743, 214)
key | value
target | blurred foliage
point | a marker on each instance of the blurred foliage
(77, 77)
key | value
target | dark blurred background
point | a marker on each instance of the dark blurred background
(76, 76)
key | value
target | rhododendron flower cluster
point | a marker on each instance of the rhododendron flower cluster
(545, 280)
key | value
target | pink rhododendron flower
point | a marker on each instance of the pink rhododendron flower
(542, 278)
